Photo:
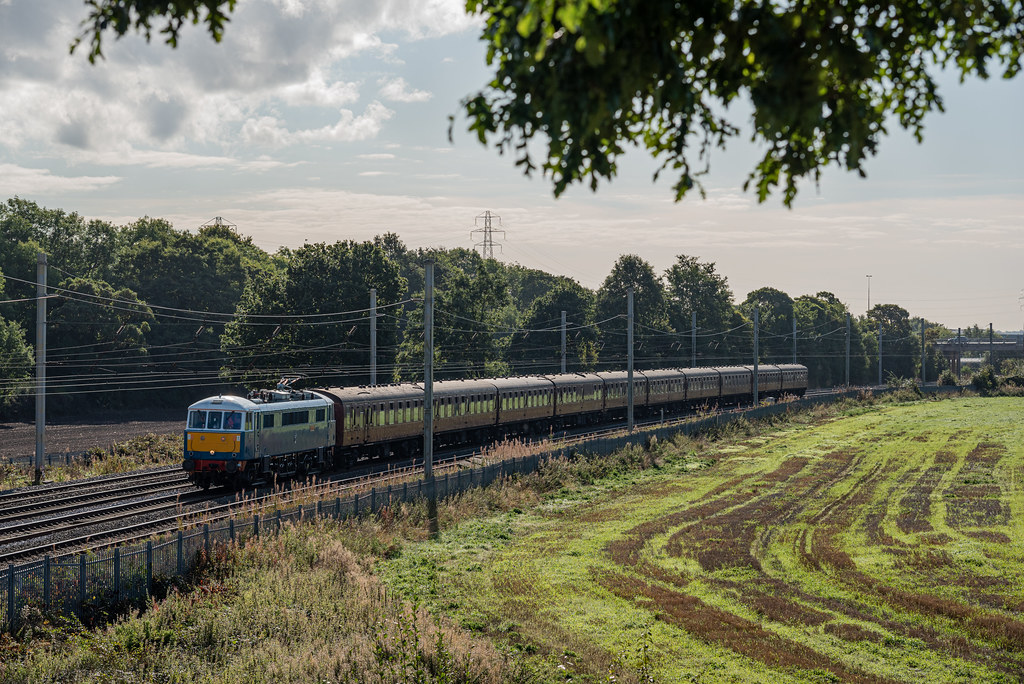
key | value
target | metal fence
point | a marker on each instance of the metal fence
(82, 584)
(56, 458)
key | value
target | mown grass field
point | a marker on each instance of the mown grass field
(883, 546)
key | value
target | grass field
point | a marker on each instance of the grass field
(864, 543)
(886, 545)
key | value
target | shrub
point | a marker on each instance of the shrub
(985, 380)
(947, 378)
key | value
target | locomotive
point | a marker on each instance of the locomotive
(285, 432)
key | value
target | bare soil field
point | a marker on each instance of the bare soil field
(19, 438)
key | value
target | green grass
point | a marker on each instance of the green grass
(847, 549)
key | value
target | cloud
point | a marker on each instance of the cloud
(26, 182)
(269, 131)
(397, 90)
(281, 65)
(158, 159)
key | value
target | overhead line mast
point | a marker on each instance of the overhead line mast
(487, 244)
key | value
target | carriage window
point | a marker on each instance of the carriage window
(321, 415)
(197, 420)
(248, 421)
(213, 420)
(268, 420)
(294, 418)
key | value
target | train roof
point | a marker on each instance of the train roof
(522, 382)
(574, 378)
(224, 403)
(663, 373)
(398, 392)
(616, 376)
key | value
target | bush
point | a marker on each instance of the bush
(985, 380)
(947, 378)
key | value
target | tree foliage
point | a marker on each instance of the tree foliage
(651, 332)
(310, 318)
(122, 16)
(775, 329)
(900, 352)
(821, 340)
(592, 77)
(470, 335)
(538, 349)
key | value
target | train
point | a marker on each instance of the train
(287, 432)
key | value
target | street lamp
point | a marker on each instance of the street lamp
(869, 292)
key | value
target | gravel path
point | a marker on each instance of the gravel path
(19, 439)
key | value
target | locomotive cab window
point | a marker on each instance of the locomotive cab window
(232, 420)
(213, 420)
(197, 420)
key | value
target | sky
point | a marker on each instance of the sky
(324, 120)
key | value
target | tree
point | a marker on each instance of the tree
(693, 286)
(470, 335)
(96, 340)
(74, 248)
(281, 323)
(538, 350)
(775, 323)
(821, 341)
(15, 357)
(652, 336)
(900, 351)
(823, 79)
(593, 77)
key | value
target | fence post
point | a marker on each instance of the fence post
(405, 491)
(10, 597)
(117, 575)
(279, 521)
(373, 500)
(81, 581)
(255, 525)
(319, 508)
(355, 505)
(181, 554)
(46, 582)
(231, 529)
(337, 508)
(389, 495)
(149, 568)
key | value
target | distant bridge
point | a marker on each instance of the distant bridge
(955, 349)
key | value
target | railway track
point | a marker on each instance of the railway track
(65, 519)
(35, 538)
(14, 498)
(75, 499)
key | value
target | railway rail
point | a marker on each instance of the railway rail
(148, 518)
(75, 499)
(66, 525)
